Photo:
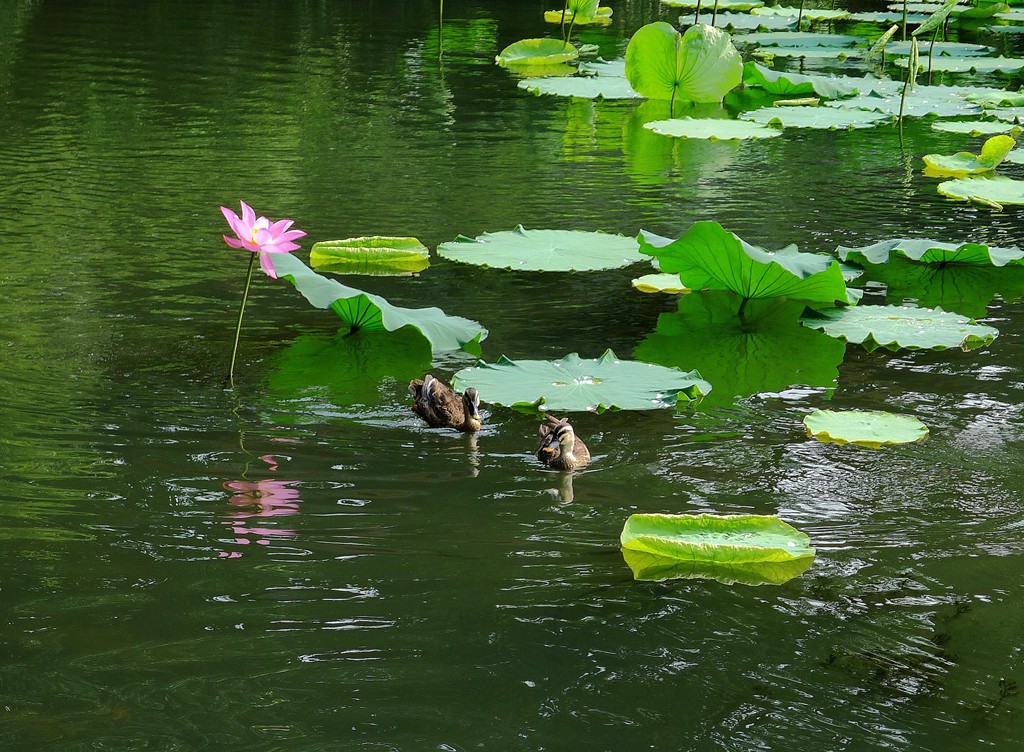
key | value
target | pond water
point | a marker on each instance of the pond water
(404, 588)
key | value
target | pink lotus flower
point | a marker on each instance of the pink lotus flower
(259, 235)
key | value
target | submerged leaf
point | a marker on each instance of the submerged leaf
(528, 52)
(543, 250)
(575, 384)
(709, 257)
(866, 428)
(993, 152)
(363, 311)
(376, 255)
(700, 65)
(895, 327)
(746, 548)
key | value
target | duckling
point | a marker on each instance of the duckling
(440, 407)
(560, 447)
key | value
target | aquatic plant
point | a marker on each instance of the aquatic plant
(867, 428)
(534, 52)
(896, 327)
(932, 252)
(543, 250)
(745, 548)
(260, 237)
(964, 163)
(376, 255)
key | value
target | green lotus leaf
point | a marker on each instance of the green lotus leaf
(800, 39)
(709, 257)
(983, 10)
(1004, 29)
(744, 548)
(997, 99)
(712, 129)
(945, 64)
(915, 105)
(667, 283)
(976, 127)
(792, 84)
(700, 65)
(961, 49)
(822, 118)
(867, 428)
(932, 252)
(993, 152)
(740, 6)
(996, 191)
(613, 68)
(543, 250)
(575, 384)
(896, 327)
(1016, 16)
(1007, 114)
(764, 351)
(838, 54)
(581, 87)
(529, 52)
(376, 255)
(811, 14)
(886, 17)
(938, 13)
(1016, 156)
(741, 21)
(602, 16)
(366, 312)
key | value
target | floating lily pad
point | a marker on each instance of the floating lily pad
(667, 283)
(943, 64)
(363, 311)
(932, 252)
(602, 17)
(810, 14)
(375, 255)
(800, 39)
(895, 327)
(822, 118)
(976, 127)
(958, 49)
(866, 428)
(528, 52)
(1008, 114)
(995, 191)
(575, 384)
(709, 257)
(713, 129)
(741, 548)
(581, 87)
(613, 68)
(997, 99)
(740, 6)
(764, 351)
(963, 163)
(838, 54)
(741, 21)
(543, 250)
(700, 65)
(791, 84)
(916, 105)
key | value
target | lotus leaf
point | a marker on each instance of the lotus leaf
(601, 17)
(916, 105)
(377, 255)
(612, 68)
(669, 283)
(740, 6)
(1016, 16)
(575, 384)
(788, 84)
(1007, 114)
(764, 351)
(867, 428)
(839, 54)
(366, 312)
(993, 152)
(824, 118)
(742, 21)
(1016, 156)
(543, 250)
(983, 10)
(700, 65)
(972, 64)
(530, 52)
(976, 127)
(581, 87)
(887, 17)
(800, 39)
(932, 252)
(713, 129)
(895, 327)
(997, 99)
(811, 14)
(709, 257)
(744, 548)
(995, 191)
(1004, 29)
(964, 49)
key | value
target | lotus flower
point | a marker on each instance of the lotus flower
(260, 235)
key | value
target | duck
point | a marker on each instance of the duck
(560, 447)
(440, 407)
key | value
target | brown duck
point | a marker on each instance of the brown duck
(560, 447)
(440, 407)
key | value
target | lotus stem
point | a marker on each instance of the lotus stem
(696, 16)
(743, 307)
(238, 328)
(440, 28)
(572, 22)
(799, 16)
(714, 14)
(931, 52)
(561, 24)
(903, 99)
(904, 20)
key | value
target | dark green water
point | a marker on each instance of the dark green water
(405, 588)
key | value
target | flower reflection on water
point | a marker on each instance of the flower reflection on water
(254, 500)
